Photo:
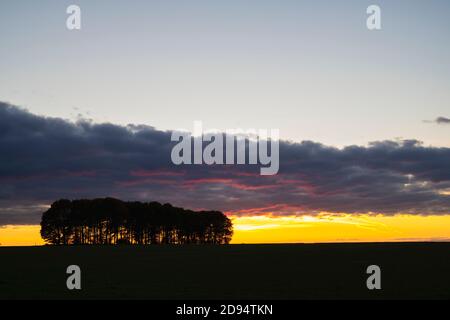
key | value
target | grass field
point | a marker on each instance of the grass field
(297, 271)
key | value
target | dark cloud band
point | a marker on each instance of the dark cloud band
(44, 159)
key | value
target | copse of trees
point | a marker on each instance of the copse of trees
(112, 221)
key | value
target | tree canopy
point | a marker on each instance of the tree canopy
(112, 221)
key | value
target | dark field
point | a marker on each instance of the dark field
(297, 271)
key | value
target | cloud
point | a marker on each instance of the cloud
(439, 120)
(442, 120)
(43, 159)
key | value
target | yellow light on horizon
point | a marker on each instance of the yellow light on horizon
(323, 227)
(20, 235)
(340, 228)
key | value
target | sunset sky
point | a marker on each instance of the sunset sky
(364, 116)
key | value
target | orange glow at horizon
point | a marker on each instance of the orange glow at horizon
(28, 235)
(300, 229)
(340, 228)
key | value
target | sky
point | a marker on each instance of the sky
(357, 112)
(310, 68)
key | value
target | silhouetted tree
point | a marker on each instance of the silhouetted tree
(111, 221)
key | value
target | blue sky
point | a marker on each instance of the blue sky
(308, 68)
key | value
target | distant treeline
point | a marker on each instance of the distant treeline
(112, 221)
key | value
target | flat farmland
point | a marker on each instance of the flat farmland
(273, 271)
